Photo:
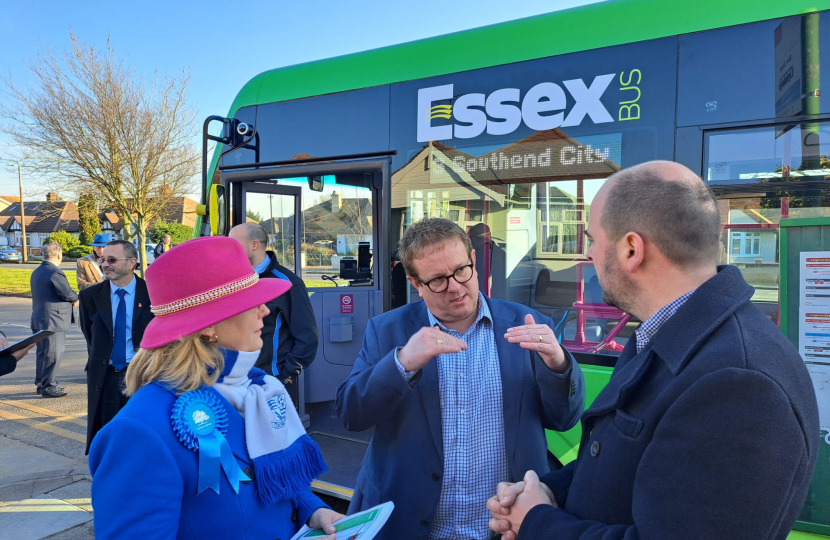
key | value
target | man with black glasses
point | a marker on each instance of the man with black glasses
(114, 314)
(459, 389)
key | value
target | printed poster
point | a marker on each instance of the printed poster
(814, 347)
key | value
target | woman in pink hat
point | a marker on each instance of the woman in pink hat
(208, 445)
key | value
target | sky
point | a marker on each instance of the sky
(224, 48)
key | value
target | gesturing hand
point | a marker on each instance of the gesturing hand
(513, 501)
(324, 518)
(426, 344)
(541, 339)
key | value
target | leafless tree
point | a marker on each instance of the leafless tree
(88, 122)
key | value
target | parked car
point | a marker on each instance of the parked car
(148, 253)
(8, 254)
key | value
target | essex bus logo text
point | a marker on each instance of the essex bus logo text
(503, 111)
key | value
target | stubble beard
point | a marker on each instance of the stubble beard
(619, 290)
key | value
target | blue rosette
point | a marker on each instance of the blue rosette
(200, 421)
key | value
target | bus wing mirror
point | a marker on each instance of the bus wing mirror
(215, 211)
(218, 208)
(315, 183)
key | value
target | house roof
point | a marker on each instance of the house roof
(354, 217)
(46, 217)
(182, 210)
(543, 156)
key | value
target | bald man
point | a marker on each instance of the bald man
(708, 427)
(289, 337)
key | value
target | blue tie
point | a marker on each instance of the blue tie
(119, 345)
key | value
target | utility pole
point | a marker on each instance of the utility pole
(22, 212)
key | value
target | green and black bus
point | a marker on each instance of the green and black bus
(509, 130)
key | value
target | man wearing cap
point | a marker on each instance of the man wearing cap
(89, 268)
(289, 337)
(114, 315)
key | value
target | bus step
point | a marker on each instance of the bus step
(332, 490)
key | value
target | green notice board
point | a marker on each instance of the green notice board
(805, 320)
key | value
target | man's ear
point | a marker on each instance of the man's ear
(633, 251)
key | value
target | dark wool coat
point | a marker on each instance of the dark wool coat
(711, 432)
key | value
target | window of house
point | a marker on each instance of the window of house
(760, 176)
(746, 244)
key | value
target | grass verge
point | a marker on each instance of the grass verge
(15, 281)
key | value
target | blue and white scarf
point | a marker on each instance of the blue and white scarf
(285, 458)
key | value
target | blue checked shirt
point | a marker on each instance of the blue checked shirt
(472, 423)
(649, 329)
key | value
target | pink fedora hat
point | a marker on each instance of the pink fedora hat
(200, 283)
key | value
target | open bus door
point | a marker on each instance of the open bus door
(325, 219)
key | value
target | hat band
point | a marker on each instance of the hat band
(205, 297)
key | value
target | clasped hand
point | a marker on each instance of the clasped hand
(513, 501)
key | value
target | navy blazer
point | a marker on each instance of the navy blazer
(405, 459)
(95, 314)
(144, 482)
(52, 299)
(710, 432)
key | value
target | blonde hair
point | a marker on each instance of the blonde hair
(183, 365)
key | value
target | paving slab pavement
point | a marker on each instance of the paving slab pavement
(44, 476)
(43, 494)
(40, 517)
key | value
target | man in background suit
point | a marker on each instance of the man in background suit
(89, 268)
(113, 315)
(52, 301)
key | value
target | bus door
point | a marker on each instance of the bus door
(276, 207)
(325, 223)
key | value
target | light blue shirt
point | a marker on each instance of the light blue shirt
(263, 266)
(129, 300)
(472, 424)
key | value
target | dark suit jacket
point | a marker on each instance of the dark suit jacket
(710, 432)
(8, 364)
(405, 460)
(296, 343)
(52, 299)
(96, 325)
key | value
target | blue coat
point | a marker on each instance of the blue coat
(711, 432)
(405, 461)
(144, 482)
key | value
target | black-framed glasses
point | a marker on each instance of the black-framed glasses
(111, 260)
(442, 283)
